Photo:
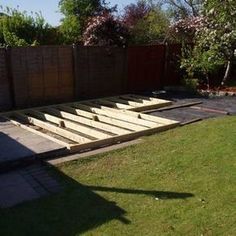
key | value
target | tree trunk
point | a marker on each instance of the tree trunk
(227, 72)
(208, 81)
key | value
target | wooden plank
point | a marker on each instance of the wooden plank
(156, 119)
(122, 138)
(35, 131)
(108, 120)
(112, 103)
(174, 107)
(52, 128)
(191, 121)
(70, 125)
(145, 98)
(128, 102)
(89, 122)
(211, 110)
(111, 112)
(137, 106)
(137, 100)
(157, 100)
(144, 117)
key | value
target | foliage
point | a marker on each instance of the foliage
(191, 84)
(221, 27)
(146, 21)
(71, 30)
(180, 9)
(105, 30)
(19, 29)
(81, 8)
(184, 30)
(77, 13)
(215, 42)
(135, 12)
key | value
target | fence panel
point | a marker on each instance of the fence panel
(5, 98)
(42, 75)
(145, 67)
(100, 71)
(172, 71)
(51, 74)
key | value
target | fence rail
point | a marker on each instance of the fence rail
(31, 76)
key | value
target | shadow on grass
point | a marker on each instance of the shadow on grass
(75, 210)
(158, 194)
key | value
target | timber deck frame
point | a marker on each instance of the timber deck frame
(90, 124)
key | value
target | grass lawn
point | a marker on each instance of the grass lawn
(180, 182)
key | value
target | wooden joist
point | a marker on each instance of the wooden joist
(131, 102)
(61, 122)
(113, 104)
(93, 123)
(86, 121)
(35, 130)
(111, 112)
(104, 119)
(52, 128)
(129, 98)
(121, 138)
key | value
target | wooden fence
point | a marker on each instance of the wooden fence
(99, 71)
(5, 98)
(32, 76)
(42, 75)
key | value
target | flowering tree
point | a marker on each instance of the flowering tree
(184, 30)
(76, 14)
(216, 41)
(105, 30)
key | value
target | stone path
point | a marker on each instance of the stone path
(26, 184)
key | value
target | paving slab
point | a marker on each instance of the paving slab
(26, 184)
(17, 144)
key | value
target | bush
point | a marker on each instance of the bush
(20, 29)
(104, 30)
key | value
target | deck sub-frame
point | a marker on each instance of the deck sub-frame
(93, 123)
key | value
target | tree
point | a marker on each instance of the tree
(105, 30)
(146, 21)
(20, 29)
(216, 41)
(77, 13)
(184, 30)
(135, 12)
(180, 9)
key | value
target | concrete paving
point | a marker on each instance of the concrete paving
(26, 184)
(18, 144)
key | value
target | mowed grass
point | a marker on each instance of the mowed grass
(180, 182)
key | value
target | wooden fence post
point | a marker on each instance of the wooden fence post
(166, 63)
(75, 70)
(10, 76)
